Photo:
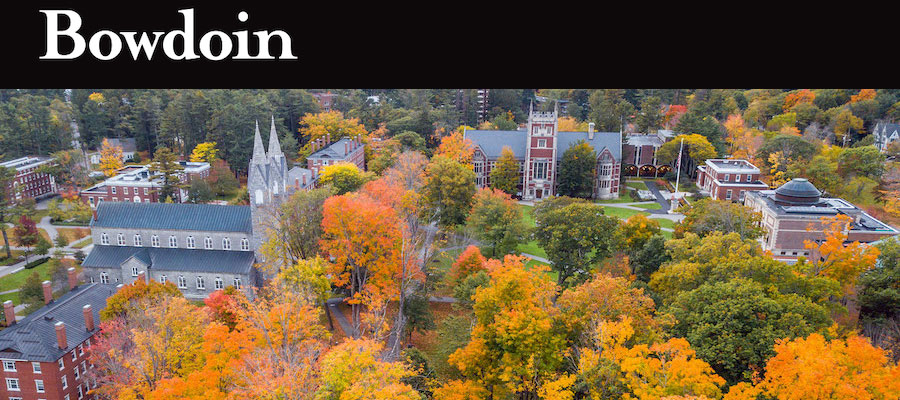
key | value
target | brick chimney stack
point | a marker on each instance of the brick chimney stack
(61, 335)
(296, 183)
(73, 278)
(48, 292)
(94, 211)
(304, 180)
(88, 317)
(346, 148)
(591, 131)
(9, 312)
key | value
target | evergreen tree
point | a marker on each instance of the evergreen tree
(576, 170)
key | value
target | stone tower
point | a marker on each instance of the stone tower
(540, 153)
(266, 183)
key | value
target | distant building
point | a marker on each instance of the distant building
(792, 214)
(128, 146)
(539, 148)
(885, 134)
(325, 153)
(45, 355)
(728, 179)
(134, 183)
(30, 184)
(639, 154)
(326, 100)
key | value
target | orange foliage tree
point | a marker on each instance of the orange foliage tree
(864, 94)
(456, 147)
(469, 262)
(798, 97)
(834, 259)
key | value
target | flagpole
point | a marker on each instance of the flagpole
(677, 178)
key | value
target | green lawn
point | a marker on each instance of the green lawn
(666, 234)
(624, 199)
(83, 243)
(530, 247)
(15, 280)
(665, 223)
(638, 185)
(622, 213)
(650, 206)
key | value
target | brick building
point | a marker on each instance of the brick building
(326, 153)
(539, 148)
(45, 355)
(728, 179)
(639, 154)
(30, 184)
(134, 184)
(793, 214)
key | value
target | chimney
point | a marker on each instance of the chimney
(591, 131)
(48, 292)
(304, 180)
(61, 335)
(73, 278)
(95, 213)
(88, 317)
(346, 148)
(327, 138)
(9, 312)
(297, 183)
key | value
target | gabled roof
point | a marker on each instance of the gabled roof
(34, 337)
(334, 150)
(127, 144)
(173, 216)
(172, 259)
(492, 142)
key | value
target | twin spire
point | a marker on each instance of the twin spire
(274, 146)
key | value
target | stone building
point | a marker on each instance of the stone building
(45, 355)
(199, 247)
(792, 214)
(539, 148)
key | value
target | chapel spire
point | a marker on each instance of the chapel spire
(274, 145)
(259, 153)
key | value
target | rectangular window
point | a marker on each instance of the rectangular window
(77, 373)
(540, 170)
(60, 364)
(162, 279)
(245, 245)
(9, 366)
(12, 384)
(208, 243)
(125, 190)
(173, 241)
(542, 143)
(145, 191)
(728, 194)
(237, 283)
(200, 283)
(80, 349)
(39, 385)
(134, 272)
(74, 355)
(220, 284)
(120, 239)
(104, 239)
(36, 367)
(726, 178)
(154, 241)
(104, 279)
(65, 382)
(113, 189)
(226, 244)
(190, 242)
(748, 177)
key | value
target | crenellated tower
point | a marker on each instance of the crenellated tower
(540, 153)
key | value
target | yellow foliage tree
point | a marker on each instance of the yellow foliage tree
(352, 370)
(864, 94)
(110, 158)
(841, 262)
(204, 152)
(570, 124)
(331, 125)
(456, 147)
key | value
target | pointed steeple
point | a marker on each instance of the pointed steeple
(274, 145)
(259, 153)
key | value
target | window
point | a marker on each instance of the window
(200, 283)
(113, 189)
(154, 241)
(80, 393)
(120, 239)
(208, 243)
(74, 355)
(104, 238)
(727, 177)
(125, 190)
(39, 385)
(162, 279)
(80, 349)
(606, 170)
(182, 283)
(9, 365)
(542, 143)
(748, 177)
(83, 367)
(134, 271)
(77, 373)
(104, 279)
(226, 244)
(245, 244)
(137, 239)
(190, 242)
(36, 367)
(12, 384)
(60, 364)
(728, 194)
(146, 191)
(173, 241)
(237, 283)
(540, 170)
(219, 283)
(65, 383)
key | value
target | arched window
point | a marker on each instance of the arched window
(104, 238)
(259, 196)
(154, 241)
(173, 241)
(226, 243)
(137, 239)
(120, 239)
(208, 243)
(200, 284)
(245, 244)
(190, 242)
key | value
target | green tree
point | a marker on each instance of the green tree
(706, 216)
(505, 173)
(7, 199)
(496, 220)
(199, 192)
(734, 325)
(576, 170)
(703, 125)
(879, 294)
(32, 291)
(410, 140)
(575, 236)
(650, 116)
(609, 108)
(165, 168)
(866, 161)
(448, 191)
(26, 234)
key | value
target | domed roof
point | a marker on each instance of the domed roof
(798, 190)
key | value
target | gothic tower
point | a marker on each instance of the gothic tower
(258, 189)
(540, 154)
(277, 165)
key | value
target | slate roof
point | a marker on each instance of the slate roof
(173, 216)
(34, 337)
(492, 142)
(334, 150)
(172, 259)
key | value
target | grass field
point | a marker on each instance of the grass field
(73, 234)
(15, 280)
(83, 243)
(665, 223)
(622, 213)
(650, 206)
(638, 185)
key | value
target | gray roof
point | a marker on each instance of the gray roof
(173, 216)
(172, 259)
(334, 150)
(34, 337)
(127, 144)
(492, 142)
(799, 187)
